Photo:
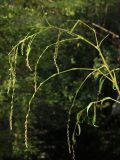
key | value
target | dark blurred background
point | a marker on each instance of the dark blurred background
(47, 130)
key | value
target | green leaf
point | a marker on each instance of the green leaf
(89, 106)
(79, 129)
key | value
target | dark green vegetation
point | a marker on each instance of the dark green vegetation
(48, 117)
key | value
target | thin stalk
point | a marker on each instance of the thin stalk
(108, 69)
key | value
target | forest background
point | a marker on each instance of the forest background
(48, 118)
